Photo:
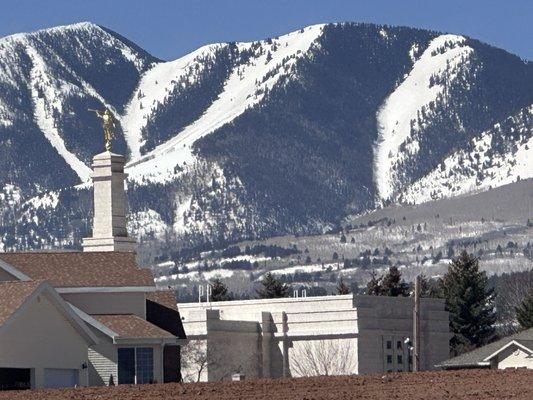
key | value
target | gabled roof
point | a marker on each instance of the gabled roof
(16, 296)
(79, 269)
(13, 295)
(131, 326)
(126, 328)
(476, 357)
(166, 298)
(526, 345)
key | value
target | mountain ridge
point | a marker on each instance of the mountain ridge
(243, 140)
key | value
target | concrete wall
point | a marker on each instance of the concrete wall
(391, 318)
(322, 357)
(219, 348)
(514, 357)
(109, 303)
(233, 347)
(250, 310)
(42, 338)
(358, 328)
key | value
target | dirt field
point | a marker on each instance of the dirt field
(482, 384)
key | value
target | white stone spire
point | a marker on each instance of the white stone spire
(109, 223)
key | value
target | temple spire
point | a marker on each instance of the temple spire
(109, 223)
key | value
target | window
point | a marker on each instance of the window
(135, 365)
(126, 365)
(399, 344)
(400, 359)
(389, 359)
(145, 365)
(389, 344)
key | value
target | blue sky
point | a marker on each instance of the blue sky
(169, 29)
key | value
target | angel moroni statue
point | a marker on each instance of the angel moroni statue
(108, 122)
(109, 222)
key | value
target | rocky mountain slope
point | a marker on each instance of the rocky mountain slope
(247, 140)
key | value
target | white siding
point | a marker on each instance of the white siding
(103, 363)
(515, 357)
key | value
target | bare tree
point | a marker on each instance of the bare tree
(195, 360)
(323, 357)
(513, 290)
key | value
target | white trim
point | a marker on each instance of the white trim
(512, 342)
(107, 289)
(13, 271)
(93, 322)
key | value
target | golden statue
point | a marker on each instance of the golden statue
(108, 122)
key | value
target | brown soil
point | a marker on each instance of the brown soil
(467, 384)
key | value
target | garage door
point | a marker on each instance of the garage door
(59, 378)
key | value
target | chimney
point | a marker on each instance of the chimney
(109, 223)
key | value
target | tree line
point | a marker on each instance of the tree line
(469, 298)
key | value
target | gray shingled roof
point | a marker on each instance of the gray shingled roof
(475, 358)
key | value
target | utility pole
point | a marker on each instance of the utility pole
(416, 326)
(285, 328)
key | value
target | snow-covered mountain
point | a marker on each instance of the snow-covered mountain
(241, 140)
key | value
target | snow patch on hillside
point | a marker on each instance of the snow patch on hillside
(47, 200)
(146, 224)
(478, 169)
(46, 95)
(154, 88)
(245, 87)
(395, 116)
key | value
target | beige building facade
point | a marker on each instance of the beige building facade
(329, 335)
(41, 340)
(129, 335)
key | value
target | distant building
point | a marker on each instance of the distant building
(91, 317)
(328, 335)
(515, 351)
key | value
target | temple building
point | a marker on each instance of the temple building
(309, 336)
(91, 317)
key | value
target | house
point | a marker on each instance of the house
(515, 351)
(128, 333)
(42, 341)
(306, 336)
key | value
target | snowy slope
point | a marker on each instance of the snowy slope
(47, 96)
(245, 88)
(397, 115)
(48, 76)
(154, 88)
(483, 164)
(247, 140)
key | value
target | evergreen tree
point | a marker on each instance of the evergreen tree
(343, 288)
(219, 291)
(524, 312)
(470, 303)
(429, 288)
(273, 288)
(392, 284)
(373, 287)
